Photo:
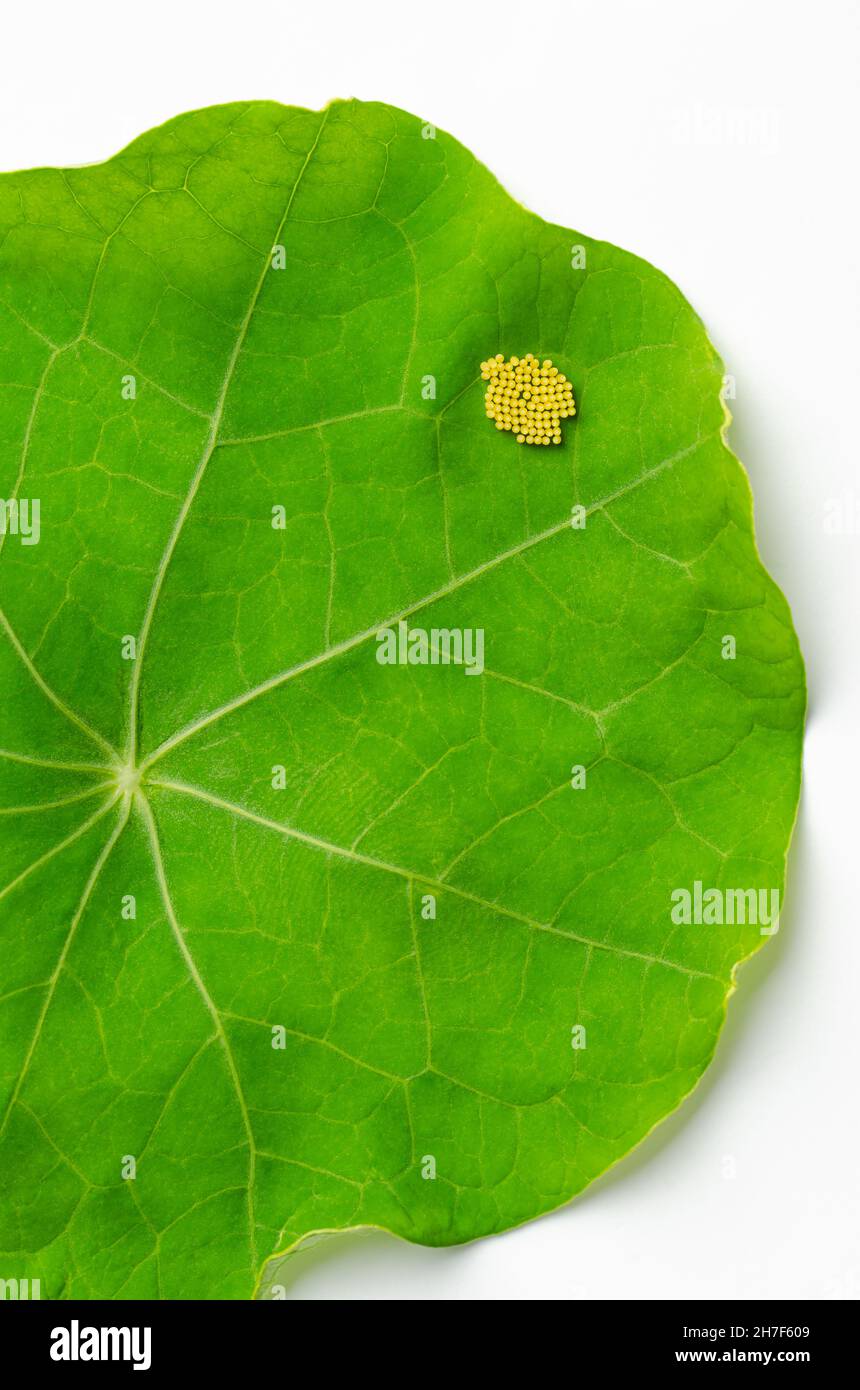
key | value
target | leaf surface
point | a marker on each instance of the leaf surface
(337, 380)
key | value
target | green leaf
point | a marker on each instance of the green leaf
(170, 380)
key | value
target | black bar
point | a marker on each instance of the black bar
(249, 1339)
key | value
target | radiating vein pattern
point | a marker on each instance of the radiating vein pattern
(293, 938)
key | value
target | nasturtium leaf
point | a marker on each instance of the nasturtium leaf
(295, 939)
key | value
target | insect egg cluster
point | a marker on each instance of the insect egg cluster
(528, 397)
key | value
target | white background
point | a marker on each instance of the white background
(720, 142)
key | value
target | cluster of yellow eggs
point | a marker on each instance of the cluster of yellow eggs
(528, 397)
